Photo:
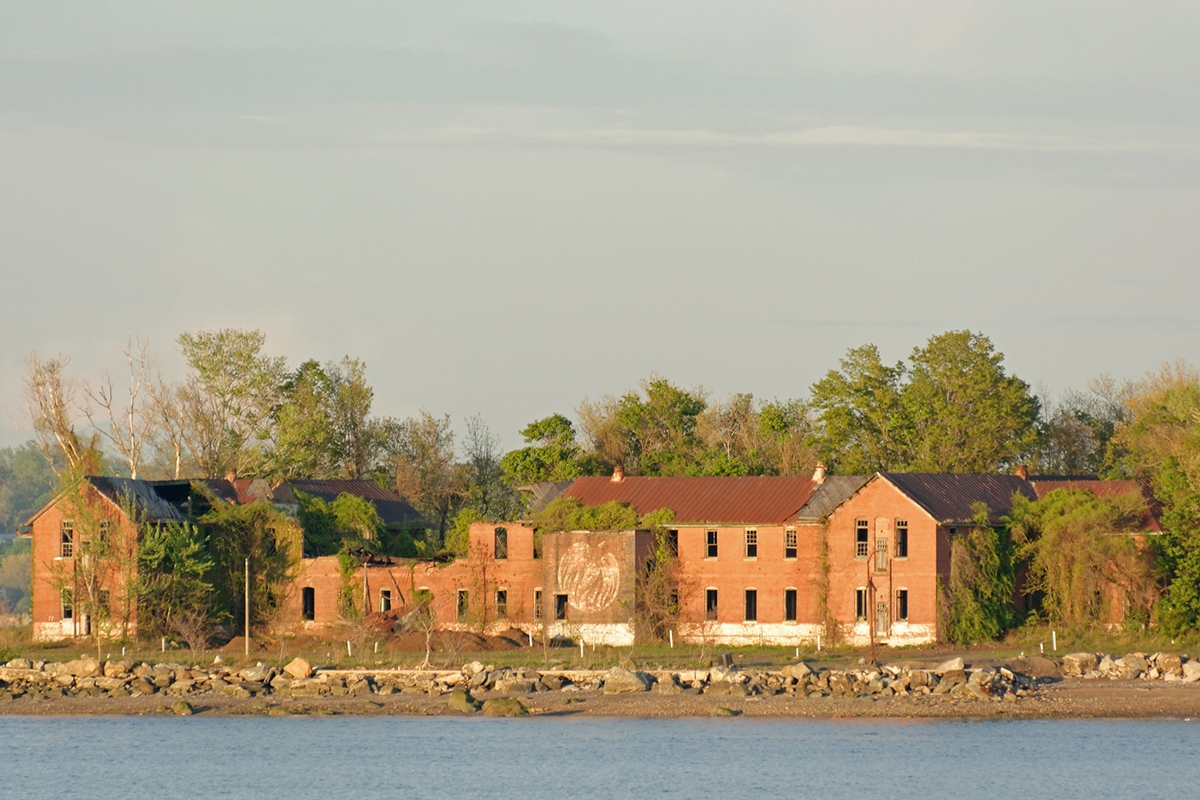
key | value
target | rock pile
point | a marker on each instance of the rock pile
(1132, 666)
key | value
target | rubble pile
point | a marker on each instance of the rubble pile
(1132, 666)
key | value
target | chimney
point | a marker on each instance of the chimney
(618, 474)
(231, 475)
(819, 473)
(1023, 471)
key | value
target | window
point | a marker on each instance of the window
(789, 605)
(385, 599)
(68, 606)
(860, 603)
(862, 533)
(902, 604)
(901, 538)
(463, 606)
(308, 601)
(751, 544)
(502, 603)
(789, 543)
(711, 537)
(103, 529)
(560, 606)
(537, 545)
(67, 538)
(710, 605)
(881, 554)
(104, 599)
(673, 543)
(537, 603)
(751, 605)
(501, 544)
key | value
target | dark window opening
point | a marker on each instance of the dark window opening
(68, 607)
(751, 605)
(673, 543)
(789, 605)
(104, 528)
(104, 600)
(309, 602)
(789, 543)
(537, 603)
(67, 540)
(501, 544)
(862, 535)
(711, 538)
(537, 545)
(710, 605)
(674, 606)
(385, 599)
(502, 603)
(860, 603)
(560, 606)
(902, 604)
(464, 604)
(901, 538)
(751, 544)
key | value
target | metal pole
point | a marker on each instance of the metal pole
(247, 637)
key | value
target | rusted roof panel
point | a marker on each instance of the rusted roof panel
(745, 500)
(1149, 522)
(543, 492)
(142, 495)
(948, 497)
(836, 490)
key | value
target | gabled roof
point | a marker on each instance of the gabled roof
(742, 500)
(948, 497)
(393, 509)
(1044, 485)
(116, 490)
(543, 492)
(836, 490)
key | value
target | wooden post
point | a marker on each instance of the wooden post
(247, 637)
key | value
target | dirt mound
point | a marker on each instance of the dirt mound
(453, 642)
(238, 645)
(383, 621)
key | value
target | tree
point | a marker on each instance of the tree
(551, 453)
(861, 419)
(50, 398)
(1075, 433)
(175, 595)
(976, 601)
(356, 436)
(487, 491)
(304, 435)
(130, 424)
(229, 398)
(425, 471)
(27, 482)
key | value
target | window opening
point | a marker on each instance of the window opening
(711, 537)
(789, 605)
(751, 544)
(537, 603)
(308, 597)
(104, 528)
(67, 539)
(560, 606)
(68, 606)
(710, 605)
(537, 545)
(881, 554)
(860, 603)
(385, 599)
(464, 604)
(902, 604)
(882, 623)
(789, 543)
(751, 605)
(501, 544)
(502, 603)
(104, 599)
(861, 538)
(901, 538)
(673, 542)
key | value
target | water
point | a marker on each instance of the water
(100, 757)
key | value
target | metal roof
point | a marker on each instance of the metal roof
(1043, 485)
(393, 509)
(141, 493)
(543, 492)
(836, 490)
(741, 500)
(948, 497)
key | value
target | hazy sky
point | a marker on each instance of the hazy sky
(504, 207)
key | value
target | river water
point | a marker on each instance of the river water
(121, 757)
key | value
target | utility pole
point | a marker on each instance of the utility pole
(247, 636)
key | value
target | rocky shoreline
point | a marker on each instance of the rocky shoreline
(1037, 687)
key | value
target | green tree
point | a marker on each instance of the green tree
(425, 471)
(26, 484)
(862, 425)
(304, 437)
(976, 601)
(175, 595)
(551, 453)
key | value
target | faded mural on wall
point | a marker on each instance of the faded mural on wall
(590, 579)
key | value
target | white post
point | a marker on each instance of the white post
(530, 635)
(377, 647)
(671, 635)
(247, 605)
(164, 644)
(122, 651)
(1042, 648)
(1054, 641)
(348, 651)
(818, 642)
(797, 652)
(581, 648)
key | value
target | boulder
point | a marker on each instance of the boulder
(1169, 664)
(514, 686)
(917, 678)
(461, 700)
(183, 708)
(474, 668)
(1191, 671)
(108, 684)
(504, 707)
(299, 669)
(1131, 666)
(1076, 664)
(953, 665)
(798, 671)
(85, 667)
(115, 669)
(141, 685)
(623, 681)
(256, 673)
(20, 663)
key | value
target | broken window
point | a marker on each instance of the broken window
(789, 605)
(710, 605)
(463, 606)
(385, 599)
(103, 529)
(673, 543)
(901, 538)
(711, 537)
(537, 603)
(501, 544)
(67, 538)
(751, 605)
(68, 606)
(501, 603)
(789, 543)
(862, 533)
(560, 606)
(902, 604)
(860, 603)
(751, 544)
(537, 545)
(881, 554)
(309, 602)
(104, 600)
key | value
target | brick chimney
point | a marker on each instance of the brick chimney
(231, 475)
(618, 474)
(819, 473)
(1022, 471)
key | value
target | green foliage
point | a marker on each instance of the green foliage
(569, 514)
(977, 599)
(426, 472)
(954, 409)
(26, 484)
(551, 454)
(174, 588)
(459, 537)
(1076, 562)
(1179, 547)
(660, 427)
(348, 523)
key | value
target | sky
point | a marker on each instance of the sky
(506, 207)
